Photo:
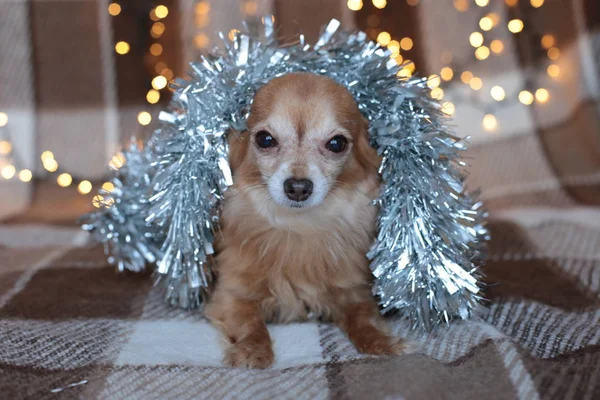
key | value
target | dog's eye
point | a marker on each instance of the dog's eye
(264, 140)
(337, 144)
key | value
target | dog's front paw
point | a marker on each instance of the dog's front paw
(375, 342)
(249, 354)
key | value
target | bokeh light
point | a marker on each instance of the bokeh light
(161, 11)
(355, 5)
(542, 95)
(447, 73)
(476, 39)
(526, 97)
(476, 83)
(159, 82)
(490, 123)
(114, 9)
(482, 53)
(8, 171)
(122, 47)
(515, 25)
(498, 93)
(144, 118)
(84, 187)
(64, 180)
(25, 175)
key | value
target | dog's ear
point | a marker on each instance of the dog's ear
(365, 154)
(238, 148)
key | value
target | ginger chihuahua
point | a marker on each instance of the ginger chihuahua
(298, 221)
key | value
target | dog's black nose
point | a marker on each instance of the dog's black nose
(298, 189)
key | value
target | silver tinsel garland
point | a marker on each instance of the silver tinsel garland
(165, 208)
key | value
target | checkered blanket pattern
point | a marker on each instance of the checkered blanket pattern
(71, 327)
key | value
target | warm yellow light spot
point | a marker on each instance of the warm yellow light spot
(482, 53)
(497, 46)
(25, 175)
(553, 71)
(156, 49)
(537, 3)
(122, 47)
(476, 39)
(84, 187)
(384, 38)
(167, 73)
(380, 3)
(153, 16)
(355, 5)
(542, 95)
(108, 187)
(526, 97)
(511, 3)
(461, 5)
(433, 81)
(98, 201)
(114, 9)
(489, 122)
(476, 83)
(448, 108)
(446, 73)
(437, 93)
(203, 7)
(515, 25)
(466, 77)
(8, 171)
(159, 82)
(394, 47)
(553, 53)
(548, 41)
(399, 59)
(410, 65)
(446, 57)
(144, 118)
(498, 93)
(47, 155)
(406, 43)
(482, 3)
(50, 165)
(404, 73)
(250, 7)
(412, 2)
(232, 33)
(158, 28)
(161, 11)
(486, 23)
(64, 180)
(117, 161)
(5, 147)
(201, 40)
(3, 119)
(153, 96)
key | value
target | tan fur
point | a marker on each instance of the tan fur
(277, 263)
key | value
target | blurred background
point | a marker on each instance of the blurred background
(79, 77)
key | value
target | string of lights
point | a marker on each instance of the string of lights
(9, 168)
(488, 24)
(452, 72)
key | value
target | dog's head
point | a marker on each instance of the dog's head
(305, 138)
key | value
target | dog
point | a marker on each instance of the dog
(298, 221)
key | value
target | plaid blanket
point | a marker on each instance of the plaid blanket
(71, 327)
